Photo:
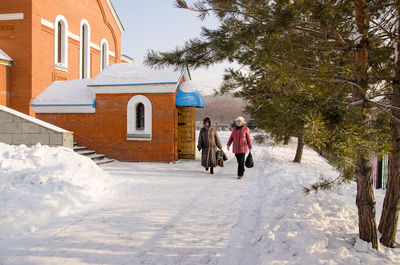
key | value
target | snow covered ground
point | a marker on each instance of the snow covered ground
(60, 208)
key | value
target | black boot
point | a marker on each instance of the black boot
(211, 170)
(206, 168)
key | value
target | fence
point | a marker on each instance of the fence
(380, 171)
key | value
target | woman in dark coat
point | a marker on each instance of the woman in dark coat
(208, 142)
(240, 137)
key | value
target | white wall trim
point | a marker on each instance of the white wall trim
(84, 22)
(73, 36)
(115, 16)
(143, 89)
(12, 16)
(145, 134)
(95, 46)
(63, 109)
(47, 23)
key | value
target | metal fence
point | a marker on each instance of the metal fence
(380, 171)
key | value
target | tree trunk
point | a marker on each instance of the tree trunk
(390, 211)
(365, 199)
(299, 151)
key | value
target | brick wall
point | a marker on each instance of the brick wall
(31, 44)
(105, 130)
(15, 41)
(5, 85)
(15, 129)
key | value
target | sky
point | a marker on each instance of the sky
(160, 26)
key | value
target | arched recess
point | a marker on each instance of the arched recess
(61, 43)
(104, 54)
(84, 51)
(135, 132)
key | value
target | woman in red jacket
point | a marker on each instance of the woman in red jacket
(240, 137)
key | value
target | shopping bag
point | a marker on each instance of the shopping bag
(249, 161)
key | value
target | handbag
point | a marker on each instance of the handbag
(249, 163)
(220, 158)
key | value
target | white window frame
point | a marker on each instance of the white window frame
(104, 56)
(86, 62)
(132, 133)
(63, 66)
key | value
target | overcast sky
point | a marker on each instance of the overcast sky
(159, 25)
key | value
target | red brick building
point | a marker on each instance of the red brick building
(128, 112)
(45, 41)
(54, 58)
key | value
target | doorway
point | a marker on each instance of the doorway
(186, 132)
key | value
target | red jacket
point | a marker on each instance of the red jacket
(241, 139)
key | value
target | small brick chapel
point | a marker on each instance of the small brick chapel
(128, 112)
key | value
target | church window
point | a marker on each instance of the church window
(61, 43)
(104, 54)
(139, 118)
(84, 58)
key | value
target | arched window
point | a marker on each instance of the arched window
(61, 43)
(84, 58)
(139, 118)
(104, 54)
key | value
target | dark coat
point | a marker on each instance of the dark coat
(208, 142)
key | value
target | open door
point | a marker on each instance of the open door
(186, 132)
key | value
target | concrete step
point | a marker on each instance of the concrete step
(86, 152)
(96, 157)
(105, 160)
(79, 148)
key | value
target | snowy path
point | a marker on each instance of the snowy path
(178, 214)
(174, 214)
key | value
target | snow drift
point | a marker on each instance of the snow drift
(42, 182)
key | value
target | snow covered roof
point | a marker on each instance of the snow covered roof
(63, 95)
(136, 78)
(4, 58)
(32, 119)
(127, 74)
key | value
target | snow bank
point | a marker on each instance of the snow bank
(41, 182)
(320, 228)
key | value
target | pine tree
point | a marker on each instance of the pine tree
(389, 24)
(305, 76)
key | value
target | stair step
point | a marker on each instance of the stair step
(86, 152)
(77, 148)
(75, 143)
(95, 157)
(104, 161)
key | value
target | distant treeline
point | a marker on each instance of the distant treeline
(222, 109)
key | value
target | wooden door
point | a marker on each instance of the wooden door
(186, 133)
